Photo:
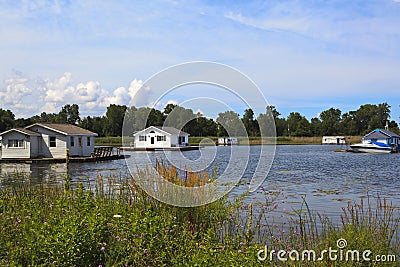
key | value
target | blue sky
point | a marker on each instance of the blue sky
(305, 56)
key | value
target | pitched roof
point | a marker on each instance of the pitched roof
(379, 133)
(21, 130)
(167, 129)
(171, 130)
(63, 128)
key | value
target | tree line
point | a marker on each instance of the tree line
(330, 122)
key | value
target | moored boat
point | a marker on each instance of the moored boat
(378, 141)
(376, 147)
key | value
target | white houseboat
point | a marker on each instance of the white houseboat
(155, 137)
(333, 140)
(46, 140)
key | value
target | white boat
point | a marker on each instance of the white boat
(374, 147)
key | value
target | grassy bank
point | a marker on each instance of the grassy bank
(117, 224)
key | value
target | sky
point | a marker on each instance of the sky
(304, 56)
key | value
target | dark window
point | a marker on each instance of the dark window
(72, 141)
(88, 141)
(142, 138)
(52, 141)
(161, 138)
(15, 143)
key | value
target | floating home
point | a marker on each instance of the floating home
(160, 137)
(47, 140)
(333, 140)
(227, 141)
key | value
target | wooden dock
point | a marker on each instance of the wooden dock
(99, 154)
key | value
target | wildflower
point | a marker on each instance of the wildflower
(240, 251)
(117, 237)
(117, 216)
(241, 243)
(103, 248)
(145, 251)
(275, 205)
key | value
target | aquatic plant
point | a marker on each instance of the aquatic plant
(116, 223)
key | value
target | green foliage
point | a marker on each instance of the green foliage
(6, 119)
(330, 122)
(118, 224)
(115, 119)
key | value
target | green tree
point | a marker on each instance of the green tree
(114, 119)
(298, 125)
(6, 119)
(267, 122)
(156, 118)
(315, 127)
(202, 126)
(230, 121)
(250, 123)
(330, 121)
(69, 114)
(179, 118)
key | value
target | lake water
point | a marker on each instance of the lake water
(326, 179)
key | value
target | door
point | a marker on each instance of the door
(152, 140)
(80, 149)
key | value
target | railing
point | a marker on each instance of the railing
(104, 151)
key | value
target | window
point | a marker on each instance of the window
(72, 141)
(161, 138)
(15, 143)
(88, 141)
(142, 138)
(52, 141)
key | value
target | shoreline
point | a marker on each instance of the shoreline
(280, 140)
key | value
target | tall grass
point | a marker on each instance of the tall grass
(115, 223)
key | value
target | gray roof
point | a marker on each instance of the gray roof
(21, 130)
(379, 133)
(171, 130)
(64, 128)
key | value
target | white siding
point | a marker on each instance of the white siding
(62, 143)
(147, 143)
(15, 152)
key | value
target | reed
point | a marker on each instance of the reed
(114, 222)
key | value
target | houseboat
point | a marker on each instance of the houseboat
(47, 140)
(378, 141)
(333, 140)
(160, 138)
(227, 141)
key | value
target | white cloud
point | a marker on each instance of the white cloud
(52, 94)
(15, 90)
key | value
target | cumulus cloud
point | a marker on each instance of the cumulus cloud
(139, 93)
(52, 94)
(15, 90)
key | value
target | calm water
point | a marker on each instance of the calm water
(326, 179)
